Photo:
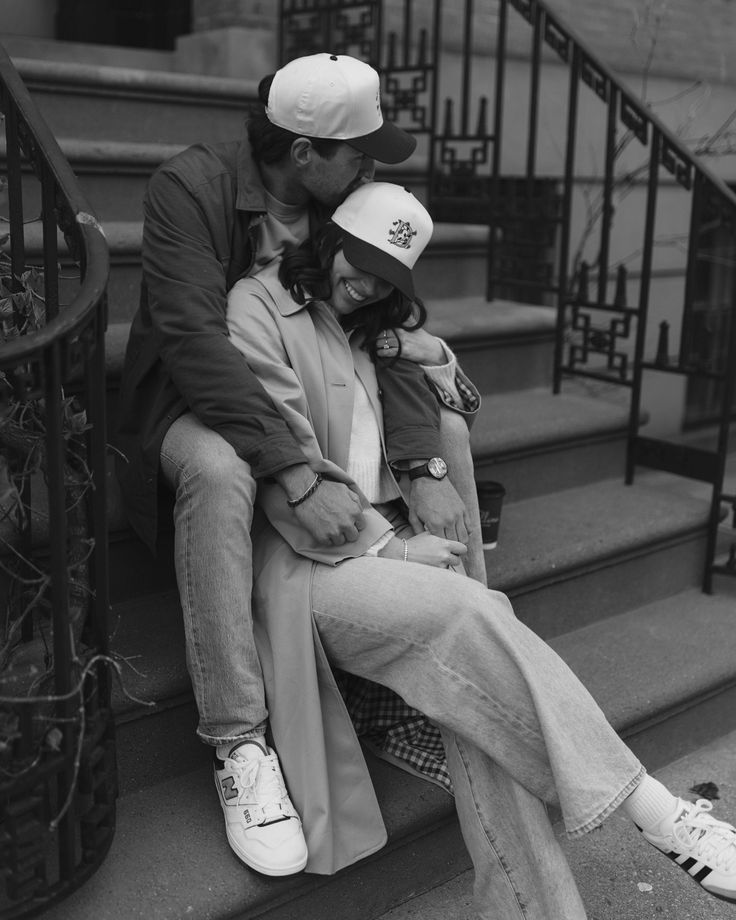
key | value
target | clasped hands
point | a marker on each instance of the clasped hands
(333, 515)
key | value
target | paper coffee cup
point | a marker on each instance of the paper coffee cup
(490, 500)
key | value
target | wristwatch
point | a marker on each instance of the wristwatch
(436, 468)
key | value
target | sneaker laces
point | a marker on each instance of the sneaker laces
(261, 782)
(710, 841)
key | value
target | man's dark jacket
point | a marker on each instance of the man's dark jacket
(201, 214)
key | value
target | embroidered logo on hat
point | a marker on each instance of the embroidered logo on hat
(401, 236)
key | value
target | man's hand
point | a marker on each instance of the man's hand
(333, 513)
(435, 506)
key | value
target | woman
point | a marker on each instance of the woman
(517, 726)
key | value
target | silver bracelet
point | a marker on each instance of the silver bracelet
(293, 502)
(406, 549)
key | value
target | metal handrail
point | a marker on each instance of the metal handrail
(526, 7)
(666, 150)
(89, 233)
(51, 842)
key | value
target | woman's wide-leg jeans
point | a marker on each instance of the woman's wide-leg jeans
(519, 727)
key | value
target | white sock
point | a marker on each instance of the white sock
(650, 804)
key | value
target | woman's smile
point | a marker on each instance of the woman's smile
(353, 293)
(353, 288)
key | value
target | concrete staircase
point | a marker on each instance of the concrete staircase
(608, 573)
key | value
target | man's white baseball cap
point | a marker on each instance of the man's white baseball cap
(385, 230)
(336, 97)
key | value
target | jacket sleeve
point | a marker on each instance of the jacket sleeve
(452, 387)
(186, 284)
(411, 414)
(255, 333)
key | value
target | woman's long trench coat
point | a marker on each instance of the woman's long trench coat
(308, 368)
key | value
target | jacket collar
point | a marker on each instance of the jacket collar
(269, 278)
(251, 194)
(287, 306)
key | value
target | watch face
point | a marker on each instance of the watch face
(437, 467)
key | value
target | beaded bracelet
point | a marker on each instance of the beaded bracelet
(406, 549)
(293, 502)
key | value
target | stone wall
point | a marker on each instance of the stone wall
(220, 14)
(693, 39)
(231, 38)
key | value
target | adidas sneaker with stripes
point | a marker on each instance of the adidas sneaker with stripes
(703, 846)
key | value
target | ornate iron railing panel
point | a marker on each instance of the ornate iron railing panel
(627, 282)
(593, 205)
(57, 756)
(339, 26)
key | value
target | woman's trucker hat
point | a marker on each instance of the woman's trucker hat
(337, 97)
(385, 230)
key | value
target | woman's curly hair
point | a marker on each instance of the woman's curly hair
(305, 273)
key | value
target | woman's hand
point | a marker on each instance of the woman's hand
(426, 549)
(417, 345)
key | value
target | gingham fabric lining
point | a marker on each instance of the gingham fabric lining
(469, 399)
(390, 726)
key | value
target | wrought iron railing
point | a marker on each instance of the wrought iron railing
(593, 205)
(57, 761)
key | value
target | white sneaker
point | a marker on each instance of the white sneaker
(701, 845)
(262, 825)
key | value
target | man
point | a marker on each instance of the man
(214, 214)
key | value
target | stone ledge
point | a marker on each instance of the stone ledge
(548, 418)
(95, 79)
(125, 237)
(656, 652)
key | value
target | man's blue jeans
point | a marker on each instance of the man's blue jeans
(213, 511)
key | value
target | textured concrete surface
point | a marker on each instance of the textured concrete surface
(619, 875)
(556, 532)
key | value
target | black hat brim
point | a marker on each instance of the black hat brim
(376, 262)
(389, 144)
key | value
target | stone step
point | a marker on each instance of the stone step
(112, 174)
(453, 249)
(502, 345)
(534, 441)
(97, 102)
(613, 545)
(170, 840)
(73, 52)
(664, 674)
